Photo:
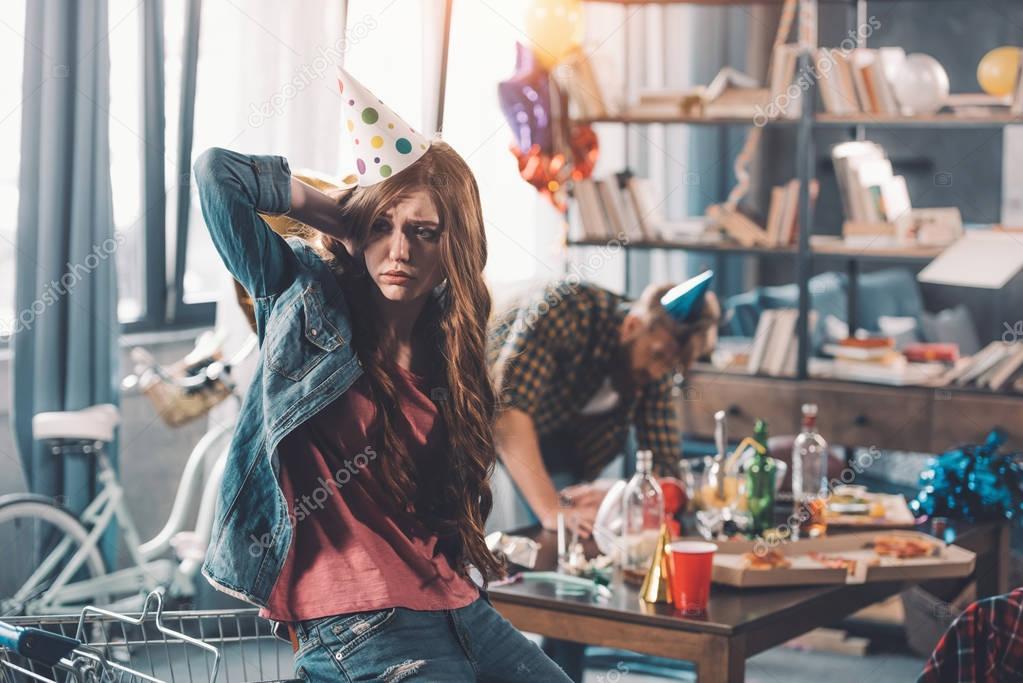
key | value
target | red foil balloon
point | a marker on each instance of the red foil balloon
(550, 150)
(585, 150)
(546, 172)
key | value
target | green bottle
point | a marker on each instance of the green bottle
(760, 475)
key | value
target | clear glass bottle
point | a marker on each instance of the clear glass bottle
(809, 476)
(643, 515)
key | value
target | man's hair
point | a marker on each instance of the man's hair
(695, 337)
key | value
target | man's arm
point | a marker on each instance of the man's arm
(519, 449)
(523, 369)
(518, 446)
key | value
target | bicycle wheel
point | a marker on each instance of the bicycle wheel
(40, 541)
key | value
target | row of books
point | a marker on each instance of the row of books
(576, 78)
(782, 226)
(870, 190)
(997, 366)
(776, 342)
(859, 81)
(620, 204)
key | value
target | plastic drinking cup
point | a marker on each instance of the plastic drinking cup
(691, 568)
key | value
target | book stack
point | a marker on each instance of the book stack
(776, 343)
(859, 81)
(871, 193)
(783, 76)
(667, 104)
(995, 367)
(874, 360)
(575, 76)
(782, 229)
(624, 205)
(732, 94)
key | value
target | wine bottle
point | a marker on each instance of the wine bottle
(760, 474)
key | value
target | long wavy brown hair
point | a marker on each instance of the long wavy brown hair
(451, 496)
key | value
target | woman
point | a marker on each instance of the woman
(357, 482)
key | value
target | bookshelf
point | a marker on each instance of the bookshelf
(822, 120)
(807, 250)
(824, 252)
(934, 121)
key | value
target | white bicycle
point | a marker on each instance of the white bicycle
(54, 563)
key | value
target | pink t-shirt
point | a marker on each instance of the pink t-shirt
(347, 554)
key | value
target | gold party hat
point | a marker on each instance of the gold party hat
(657, 584)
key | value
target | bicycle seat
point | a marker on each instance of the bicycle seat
(94, 423)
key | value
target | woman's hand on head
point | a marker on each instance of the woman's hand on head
(318, 210)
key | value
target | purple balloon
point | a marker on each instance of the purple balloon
(526, 101)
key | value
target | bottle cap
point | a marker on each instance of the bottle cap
(644, 461)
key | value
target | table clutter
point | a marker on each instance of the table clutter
(843, 558)
(671, 538)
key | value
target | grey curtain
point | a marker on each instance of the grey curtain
(64, 343)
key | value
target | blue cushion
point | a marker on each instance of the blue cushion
(892, 291)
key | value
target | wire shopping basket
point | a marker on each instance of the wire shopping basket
(98, 646)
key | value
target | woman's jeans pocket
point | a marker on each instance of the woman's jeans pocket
(343, 635)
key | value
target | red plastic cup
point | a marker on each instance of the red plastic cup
(691, 568)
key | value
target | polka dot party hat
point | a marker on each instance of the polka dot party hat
(383, 144)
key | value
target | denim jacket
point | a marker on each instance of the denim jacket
(306, 361)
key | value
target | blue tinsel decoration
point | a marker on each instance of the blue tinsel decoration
(973, 483)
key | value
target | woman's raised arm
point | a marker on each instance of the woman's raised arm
(234, 189)
(316, 209)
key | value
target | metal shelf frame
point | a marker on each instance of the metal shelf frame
(806, 125)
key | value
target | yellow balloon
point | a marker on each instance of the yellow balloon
(554, 28)
(998, 70)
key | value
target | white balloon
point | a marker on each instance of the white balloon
(921, 85)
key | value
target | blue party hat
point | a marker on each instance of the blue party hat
(685, 301)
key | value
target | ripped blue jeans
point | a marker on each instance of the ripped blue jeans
(473, 643)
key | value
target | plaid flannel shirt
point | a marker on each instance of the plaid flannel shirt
(552, 351)
(984, 644)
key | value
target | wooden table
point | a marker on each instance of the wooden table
(738, 624)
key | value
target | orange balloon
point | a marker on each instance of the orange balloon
(998, 70)
(554, 28)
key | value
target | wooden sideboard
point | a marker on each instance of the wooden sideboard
(916, 419)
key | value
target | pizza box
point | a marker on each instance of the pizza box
(897, 514)
(949, 561)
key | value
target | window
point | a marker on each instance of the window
(127, 141)
(265, 84)
(12, 27)
(148, 299)
(523, 230)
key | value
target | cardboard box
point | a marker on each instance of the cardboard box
(949, 562)
(897, 514)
